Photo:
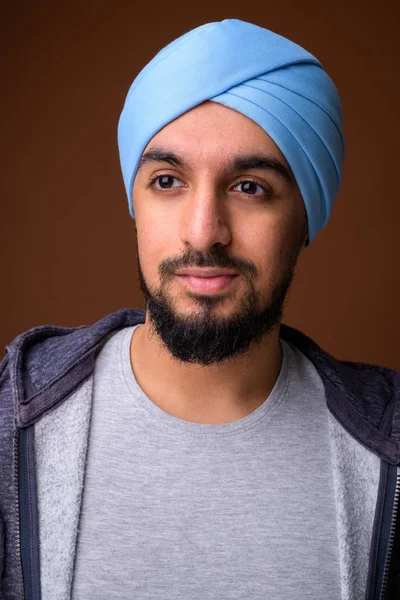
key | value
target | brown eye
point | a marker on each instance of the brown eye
(251, 188)
(165, 182)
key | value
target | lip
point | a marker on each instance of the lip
(208, 284)
(206, 272)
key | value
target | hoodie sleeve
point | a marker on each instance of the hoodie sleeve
(9, 570)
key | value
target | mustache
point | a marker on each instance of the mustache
(215, 258)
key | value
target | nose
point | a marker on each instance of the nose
(204, 220)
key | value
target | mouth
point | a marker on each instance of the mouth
(210, 281)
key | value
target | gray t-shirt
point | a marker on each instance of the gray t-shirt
(180, 510)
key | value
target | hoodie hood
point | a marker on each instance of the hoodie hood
(47, 364)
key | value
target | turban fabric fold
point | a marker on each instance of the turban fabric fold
(266, 77)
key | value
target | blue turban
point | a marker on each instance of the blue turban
(266, 77)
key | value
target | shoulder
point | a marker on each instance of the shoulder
(50, 359)
(364, 398)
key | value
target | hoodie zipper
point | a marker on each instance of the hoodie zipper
(17, 501)
(28, 515)
(391, 537)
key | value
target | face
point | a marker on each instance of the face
(220, 222)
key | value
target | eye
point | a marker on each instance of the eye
(165, 182)
(251, 188)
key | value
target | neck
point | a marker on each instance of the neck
(219, 393)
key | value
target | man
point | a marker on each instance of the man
(202, 449)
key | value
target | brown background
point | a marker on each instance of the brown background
(66, 238)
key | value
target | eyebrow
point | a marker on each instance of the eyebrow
(262, 163)
(239, 163)
(159, 155)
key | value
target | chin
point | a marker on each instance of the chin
(201, 304)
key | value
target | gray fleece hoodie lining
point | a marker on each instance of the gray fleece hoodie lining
(61, 440)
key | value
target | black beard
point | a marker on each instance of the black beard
(205, 338)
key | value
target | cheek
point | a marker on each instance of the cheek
(260, 240)
(270, 247)
(155, 227)
(154, 240)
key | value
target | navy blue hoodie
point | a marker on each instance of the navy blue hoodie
(45, 365)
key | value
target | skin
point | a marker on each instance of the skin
(206, 205)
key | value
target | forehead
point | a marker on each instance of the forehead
(214, 132)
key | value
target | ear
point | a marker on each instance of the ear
(304, 239)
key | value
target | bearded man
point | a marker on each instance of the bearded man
(201, 449)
